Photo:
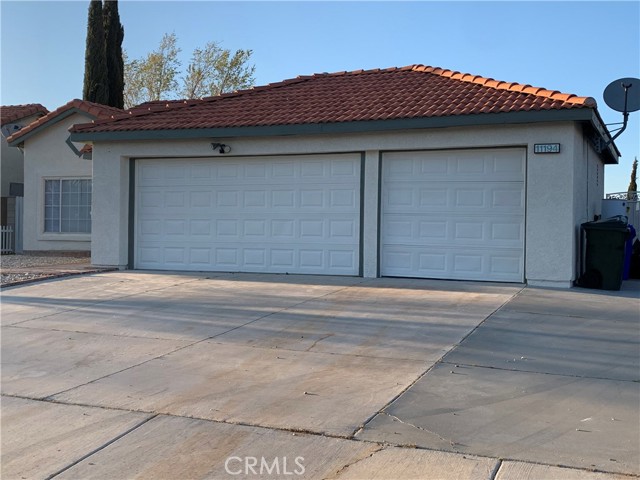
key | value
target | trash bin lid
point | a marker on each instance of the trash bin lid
(618, 223)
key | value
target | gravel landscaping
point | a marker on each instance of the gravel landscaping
(16, 269)
(16, 278)
(42, 259)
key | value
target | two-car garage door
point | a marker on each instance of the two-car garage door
(456, 214)
(291, 214)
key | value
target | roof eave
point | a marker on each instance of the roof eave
(19, 141)
(488, 119)
(603, 136)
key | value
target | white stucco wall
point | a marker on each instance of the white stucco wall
(549, 213)
(110, 208)
(47, 156)
(551, 184)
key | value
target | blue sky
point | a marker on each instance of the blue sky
(575, 47)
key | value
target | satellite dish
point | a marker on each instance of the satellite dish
(623, 95)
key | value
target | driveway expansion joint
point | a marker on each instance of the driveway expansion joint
(496, 469)
(123, 369)
(536, 372)
(154, 414)
(101, 447)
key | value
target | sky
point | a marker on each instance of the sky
(575, 47)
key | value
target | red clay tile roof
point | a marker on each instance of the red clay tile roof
(11, 113)
(87, 148)
(94, 109)
(415, 91)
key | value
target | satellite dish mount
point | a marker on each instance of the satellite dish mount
(622, 95)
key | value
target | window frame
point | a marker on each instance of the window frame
(59, 235)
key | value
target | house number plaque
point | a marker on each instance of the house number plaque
(546, 148)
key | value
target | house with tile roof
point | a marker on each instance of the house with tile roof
(12, 119)
(57, 178)
(407, 172)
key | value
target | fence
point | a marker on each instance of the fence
(624, 203)
(6, 236)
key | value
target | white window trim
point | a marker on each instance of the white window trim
(60, 236)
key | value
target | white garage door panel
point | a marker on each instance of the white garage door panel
(452, 197)
(434, 230)
(460, 165)
(338, 229)
(285, 214)
(193, 172)
(452, 263)
(453, 214)
(171, 199)
(310, 259)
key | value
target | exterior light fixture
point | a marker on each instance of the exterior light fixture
(221, 147)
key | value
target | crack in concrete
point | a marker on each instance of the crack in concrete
(356, 461)
(440, 437)
(319, 340)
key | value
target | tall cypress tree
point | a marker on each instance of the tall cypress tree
(114, 35)
(633, 184)
(95, 63)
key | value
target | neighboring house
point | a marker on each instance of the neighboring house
(57, 179)
(405, 172)
(12, 119)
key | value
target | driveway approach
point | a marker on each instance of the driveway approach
(176, 376)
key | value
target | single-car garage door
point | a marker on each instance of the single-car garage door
(289, 214)
(456, 214)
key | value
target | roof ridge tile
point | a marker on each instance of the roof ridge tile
(512, 86)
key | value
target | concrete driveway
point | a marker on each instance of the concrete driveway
(176, 376)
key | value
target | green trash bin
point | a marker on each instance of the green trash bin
(605, 253)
